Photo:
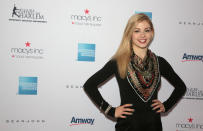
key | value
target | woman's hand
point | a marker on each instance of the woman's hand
(157, 104)
(121, 111)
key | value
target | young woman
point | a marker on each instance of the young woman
(138, 72)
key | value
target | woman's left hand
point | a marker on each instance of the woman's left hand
(158, 105)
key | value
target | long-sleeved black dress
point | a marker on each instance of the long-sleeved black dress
(143, 118)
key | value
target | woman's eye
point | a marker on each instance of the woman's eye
(148, 30)
(136, 31)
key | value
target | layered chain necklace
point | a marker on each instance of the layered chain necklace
(143, 75)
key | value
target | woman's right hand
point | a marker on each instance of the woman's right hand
(123, 110)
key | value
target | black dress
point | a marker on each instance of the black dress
(143, 118)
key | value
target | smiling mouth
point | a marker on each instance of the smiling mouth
(142, 41)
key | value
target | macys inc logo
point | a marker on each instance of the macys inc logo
(189, 125)
(26, 15)
(194, 93)
(27, 52)
(86, 18)
(81, 121)
(189, 57)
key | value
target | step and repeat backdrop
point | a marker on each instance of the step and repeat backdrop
(48, 49)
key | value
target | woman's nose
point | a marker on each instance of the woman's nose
(142, 34)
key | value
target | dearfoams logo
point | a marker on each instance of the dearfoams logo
(86, 52)
(27, 52)
(81, 121)
(189, 125)
(194, 93)
(189, 57)
(86, 18)
(26, 15)
(27, 86)
(36, 124)
(191, 23)
(73, 86)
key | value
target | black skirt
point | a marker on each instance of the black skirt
(140, 121)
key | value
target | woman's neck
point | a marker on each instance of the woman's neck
(140, 52)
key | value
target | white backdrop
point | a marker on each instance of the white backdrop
(39, 41)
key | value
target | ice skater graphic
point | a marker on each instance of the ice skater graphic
(14, 11)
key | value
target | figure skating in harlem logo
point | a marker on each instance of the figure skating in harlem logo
(26, 15)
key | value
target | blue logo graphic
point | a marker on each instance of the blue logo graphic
(149, 14)
(86, 52)
(80, 121)
(189, 57)
(27, 86)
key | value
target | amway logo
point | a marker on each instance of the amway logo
(80, 121)
(187, 57)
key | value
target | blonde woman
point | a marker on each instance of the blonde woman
(138, 72)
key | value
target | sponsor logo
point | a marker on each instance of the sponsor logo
(190, 23)
(25, 121)
(194, 93)
(74, 86)
(86, 19)
(149, 14)
(27, 86)
(189, 125)
(27, 52)
(81, 121)
(189, 57)
(26, 15)
(86, 52)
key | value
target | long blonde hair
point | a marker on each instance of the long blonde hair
(122, 55)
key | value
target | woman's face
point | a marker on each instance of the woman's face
(142, 35)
